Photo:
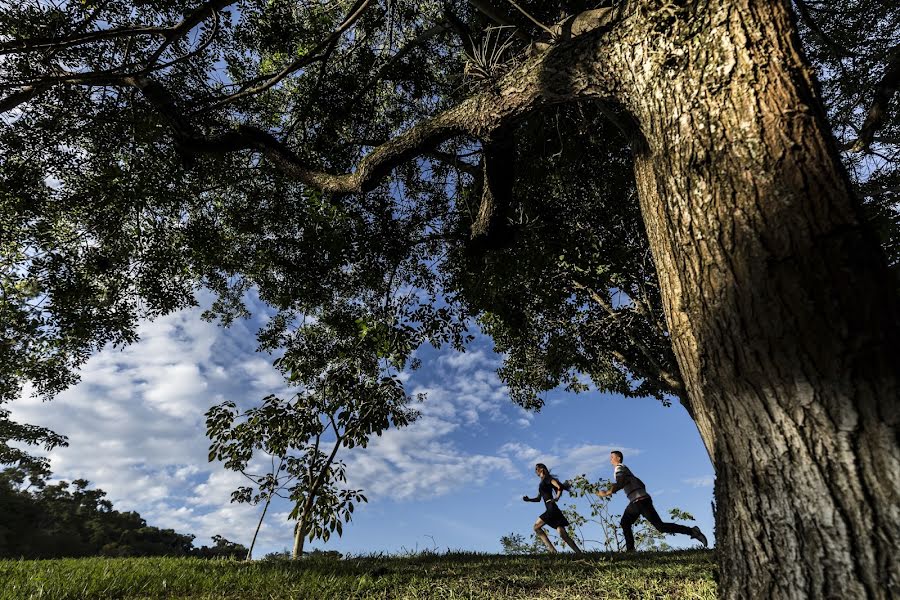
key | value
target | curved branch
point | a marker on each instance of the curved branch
(32, 44)
(547, 79)
(320, 52)
(116, 76)
(151, 65)
(670, 379)
(169, 33)
(190, 21)
(477, 117)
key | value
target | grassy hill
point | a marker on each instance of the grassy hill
(684, 575)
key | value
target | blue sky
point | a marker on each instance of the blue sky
(453, 479)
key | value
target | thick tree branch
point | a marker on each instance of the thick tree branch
(884, 93)
(21, 96)
(478, 117)
(551, 78)
(369, 172)
(496, 190)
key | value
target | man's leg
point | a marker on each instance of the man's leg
(649, 513)
(542, 535)
(631, 514)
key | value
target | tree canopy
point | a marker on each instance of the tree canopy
(156, 148)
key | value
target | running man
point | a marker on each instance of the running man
(641, 504)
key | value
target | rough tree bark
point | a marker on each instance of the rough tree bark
(782, 314)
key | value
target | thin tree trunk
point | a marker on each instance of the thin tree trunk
(258, 525)
(301, 529)
(299, 537)
(782, 313)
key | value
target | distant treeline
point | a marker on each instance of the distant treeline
(40, 520)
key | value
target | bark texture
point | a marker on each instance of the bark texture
(783, 317)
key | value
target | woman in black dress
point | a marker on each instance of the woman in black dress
(550, 490)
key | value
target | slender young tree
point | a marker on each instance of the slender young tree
(347, 393)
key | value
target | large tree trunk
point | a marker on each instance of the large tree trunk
(782, 313)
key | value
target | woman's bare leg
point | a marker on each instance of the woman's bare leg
(567, 539)
(542, 535)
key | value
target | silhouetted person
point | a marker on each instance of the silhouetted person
(641, 505)
(550, 490)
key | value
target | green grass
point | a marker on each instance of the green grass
(684, 575)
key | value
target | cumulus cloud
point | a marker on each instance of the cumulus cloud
(588, 459)
(470, 360)
(136, 424)
(136, 427)
(422, 460)
(700, 482)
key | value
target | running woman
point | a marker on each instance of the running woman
(550, 490)
(641, 504)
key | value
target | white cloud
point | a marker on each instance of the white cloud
(469, 360)
(705, 481)
(136, 424)
(523, 453)
(422, 460)
(136, 428)
(588, 459)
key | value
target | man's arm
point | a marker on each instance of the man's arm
(618, 485)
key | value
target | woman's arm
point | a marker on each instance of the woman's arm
(527, 499)
(556, 485)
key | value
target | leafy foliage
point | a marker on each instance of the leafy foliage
(855, 48)
(573, 296)
(151, 149)
(515, 544)
(341, 362)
